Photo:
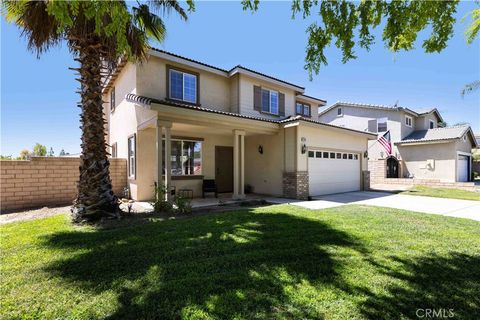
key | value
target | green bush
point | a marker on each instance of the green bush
(183, 205)
(160, 204)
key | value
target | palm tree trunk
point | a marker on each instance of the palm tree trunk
(95, 197)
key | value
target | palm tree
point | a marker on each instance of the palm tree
(99, 34)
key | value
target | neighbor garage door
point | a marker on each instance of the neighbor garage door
(333, 172)
(462, 167)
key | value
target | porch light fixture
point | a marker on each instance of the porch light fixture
(304, 145)
(365, 154)
(260, 149)
(304, 148)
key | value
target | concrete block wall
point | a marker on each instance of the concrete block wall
(48, 181)
(378, 170)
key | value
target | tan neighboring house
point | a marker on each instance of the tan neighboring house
(179, 121)
(422, 148)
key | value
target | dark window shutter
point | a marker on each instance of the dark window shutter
(257, 98)
(372, 125)
(112, 99)
(281, 104)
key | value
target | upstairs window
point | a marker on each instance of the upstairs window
(408, 121)
(270, 101)
(303, 109)
(112, 99)
(382, 125)
(183, 86)
(339, 112)
(432, 124)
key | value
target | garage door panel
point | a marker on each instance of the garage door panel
(328, 176)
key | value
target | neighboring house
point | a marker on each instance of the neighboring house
(422, 148)
(240, 127)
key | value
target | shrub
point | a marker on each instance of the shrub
(160, 204)
(183, 205)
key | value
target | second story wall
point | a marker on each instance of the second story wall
(213, 89)
(246, 102)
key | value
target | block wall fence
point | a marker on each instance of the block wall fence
(47, 181)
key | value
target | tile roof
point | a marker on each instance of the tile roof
(437, 134)
(380, 107)
(148, 101)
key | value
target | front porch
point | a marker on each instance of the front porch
(180, 148)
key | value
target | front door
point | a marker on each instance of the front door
(392, 168)
(224, 168)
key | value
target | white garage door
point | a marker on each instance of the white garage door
(333, 172)
(462, 168)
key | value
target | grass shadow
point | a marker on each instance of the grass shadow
(428, 283)
(242, 264)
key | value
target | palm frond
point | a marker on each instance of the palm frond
(38, 27)
(473, 86)
(166, 6)
(149, 22)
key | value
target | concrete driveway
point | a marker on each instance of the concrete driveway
(448, 207)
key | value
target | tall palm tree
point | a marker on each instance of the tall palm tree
(98, 33)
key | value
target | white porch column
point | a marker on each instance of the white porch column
(238, 164)
(242, 166)
(168, 172)
(159, 129)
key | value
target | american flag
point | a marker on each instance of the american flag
(385, 142)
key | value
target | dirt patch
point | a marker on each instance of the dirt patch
(146, 217)
(33, 214)
(137, 215)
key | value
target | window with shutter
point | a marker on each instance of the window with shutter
(112, 99)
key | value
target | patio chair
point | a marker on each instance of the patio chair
(209, 185)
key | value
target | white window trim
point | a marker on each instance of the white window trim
(132, 173)
(429, 124)
(270, 101)
(183, 85)
(201, 156)
(411, 121)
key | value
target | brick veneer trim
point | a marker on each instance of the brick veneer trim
(48, 181)
(296, 185)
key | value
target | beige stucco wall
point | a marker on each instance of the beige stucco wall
(264, 172)
(415, 161)
(331, 139)
(214, 89)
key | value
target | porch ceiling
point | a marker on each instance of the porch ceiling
(194, 120)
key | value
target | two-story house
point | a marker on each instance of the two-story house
(179, 121)
(421, 147)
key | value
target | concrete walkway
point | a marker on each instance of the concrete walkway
(448, 207)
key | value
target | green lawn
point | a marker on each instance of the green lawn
(275, 262)
(443, 193)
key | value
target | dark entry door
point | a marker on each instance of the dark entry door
(392, 168)
(224, 168)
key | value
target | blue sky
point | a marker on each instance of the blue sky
(38, 100)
